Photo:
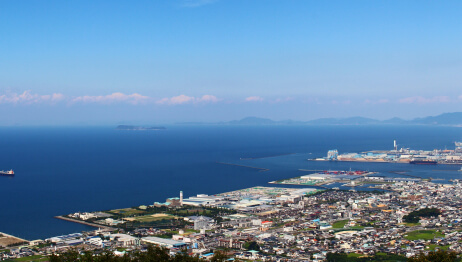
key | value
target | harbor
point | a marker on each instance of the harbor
(325, 177)
(400, 155)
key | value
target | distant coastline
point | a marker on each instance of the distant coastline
(128, 127)
(446, 119)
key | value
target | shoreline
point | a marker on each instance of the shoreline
(385, 162)
(5, 235)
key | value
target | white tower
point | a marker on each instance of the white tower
(395, 145)
(181, 198)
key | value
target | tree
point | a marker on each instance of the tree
(219, 257)
(251, 246)
(437, 256)
(153, 254)
(71, 255)
(414, 216)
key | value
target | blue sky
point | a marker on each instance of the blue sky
(104, 62)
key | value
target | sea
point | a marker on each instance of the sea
(63, 170)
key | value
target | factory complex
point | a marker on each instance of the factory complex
(283, 224)
(402, 155)
(325, 177)
(399, 218)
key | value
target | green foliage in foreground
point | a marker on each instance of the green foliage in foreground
(342, 257)
(438, 256)
(32, 258)
(153, 254)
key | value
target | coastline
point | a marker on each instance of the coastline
(15, 240)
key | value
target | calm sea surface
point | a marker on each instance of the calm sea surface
(65, 170)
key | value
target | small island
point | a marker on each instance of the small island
(128, 127)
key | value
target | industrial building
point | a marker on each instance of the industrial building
(163, 242)
(203, 223)
(202, 200)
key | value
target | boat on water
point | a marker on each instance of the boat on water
(423, 162)
(7, 173)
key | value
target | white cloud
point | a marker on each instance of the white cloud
(254, 99)
(176, 100)
(57, 97)
(282, 100)
(184, 99)
(27, 97)
(134, 98)
(209, 98)
(424, 100)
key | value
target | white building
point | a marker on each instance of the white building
(163, 242)
(125, 239)
(203, 223)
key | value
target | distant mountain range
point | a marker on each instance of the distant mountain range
(446, 119)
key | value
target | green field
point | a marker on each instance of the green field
(433, 247)
(340, 224)
(355, 255)
(151, 218)
(423, 234)
(412, 224)
(127, 211)
(32, 258)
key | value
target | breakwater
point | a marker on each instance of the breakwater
(231, 164)
(84, 222)
(262, 157)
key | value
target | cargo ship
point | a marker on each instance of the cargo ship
(7, 173)
(423, 162)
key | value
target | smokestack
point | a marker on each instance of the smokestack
(395, 145)
(181, 198)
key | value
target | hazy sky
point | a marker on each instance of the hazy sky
(104, 62)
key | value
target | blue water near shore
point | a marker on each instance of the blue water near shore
(65, 170)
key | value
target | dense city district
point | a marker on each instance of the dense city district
(274, 224)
